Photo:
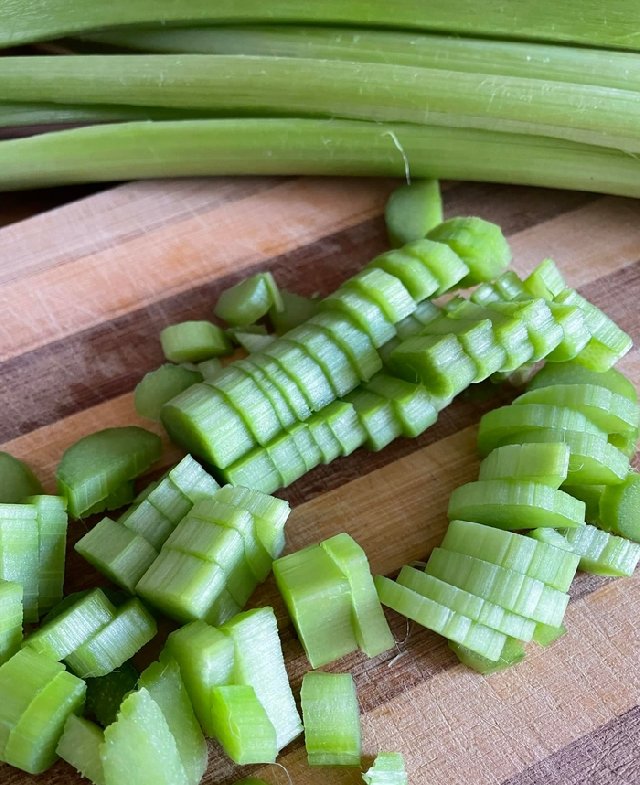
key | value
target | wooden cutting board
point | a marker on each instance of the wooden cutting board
(86, 288)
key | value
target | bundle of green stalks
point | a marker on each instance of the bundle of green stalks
(521, 92)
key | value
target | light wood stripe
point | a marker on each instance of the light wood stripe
(99, 287)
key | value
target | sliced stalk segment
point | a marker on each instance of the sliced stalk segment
(33, 740)
(512, 653)
(259, 663)
(331, 717)
(371, 628)
(439, 618)
(542, 561)
(10, 619)
(20, 552)
(512, 590)
(318, 599)
(242, 726)
(543, 463)
(599, 552)
(388, 769)
(80, 747)
(515, 504)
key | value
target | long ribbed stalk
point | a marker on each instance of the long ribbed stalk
(535, 61)
(314, 147)
(614, 23)
(323, 88)
(36, 115)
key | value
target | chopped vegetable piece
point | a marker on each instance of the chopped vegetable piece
(202, 421)
(368, 316)
(515, 504)
(412, 210)
(82, 618)
(440, 619)
(546, 634)
(480, 244)
(52, 531)
(139, 747)
(22, 678)
(386, 290)
(576, 373)
(544, 333)
(353, 339)
(124, 494)
(516, 552)
(626, 442)
(164, 684)
(20, 553)
(295, 311)
(611, 412)
(242, 726)
(592, 461)
(243, 524)
(146, 520)
(543, 463)
(282, 379)
(346, 426)
(331, 717)
(10, 619)
(377, 418)
(545, 280)
(600, 552)
(283, 409)
(440, 261)
(249, 401)
(110, 647)
(106, 693)
(478, 340)
(249, 300)
(209, 369)
(371, 628)
(575, 333)
(18, 481)
(206, 659)
(80, 747)
(32, 742)
(304, 370)
(470, 605)
(590, 495)
(183, 586)
(499, 424)
(160, 386)
(194, 341)
(512, 653)
(252, 340)
(258, 663)
(388, 769)
(418, 280)
(97, 464)
(332, 358)
(318, 599)
(256, 469)
(440, 363)
(620, 508)
(608, 342)
(287, 459)
(411, 403)
(118, 553)
(512, 590)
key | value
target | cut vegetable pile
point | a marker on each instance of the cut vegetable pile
(285, 384)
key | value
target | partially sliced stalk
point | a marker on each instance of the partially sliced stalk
(580, 22)
(331, 717)
(313, 147)
(540, 61)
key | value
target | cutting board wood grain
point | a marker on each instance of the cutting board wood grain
(84, 291)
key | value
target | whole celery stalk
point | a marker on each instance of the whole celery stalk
(507, 58)
(614, 24)
(313, 147)
(277, 86)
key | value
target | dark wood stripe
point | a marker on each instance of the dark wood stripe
(606, 756)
